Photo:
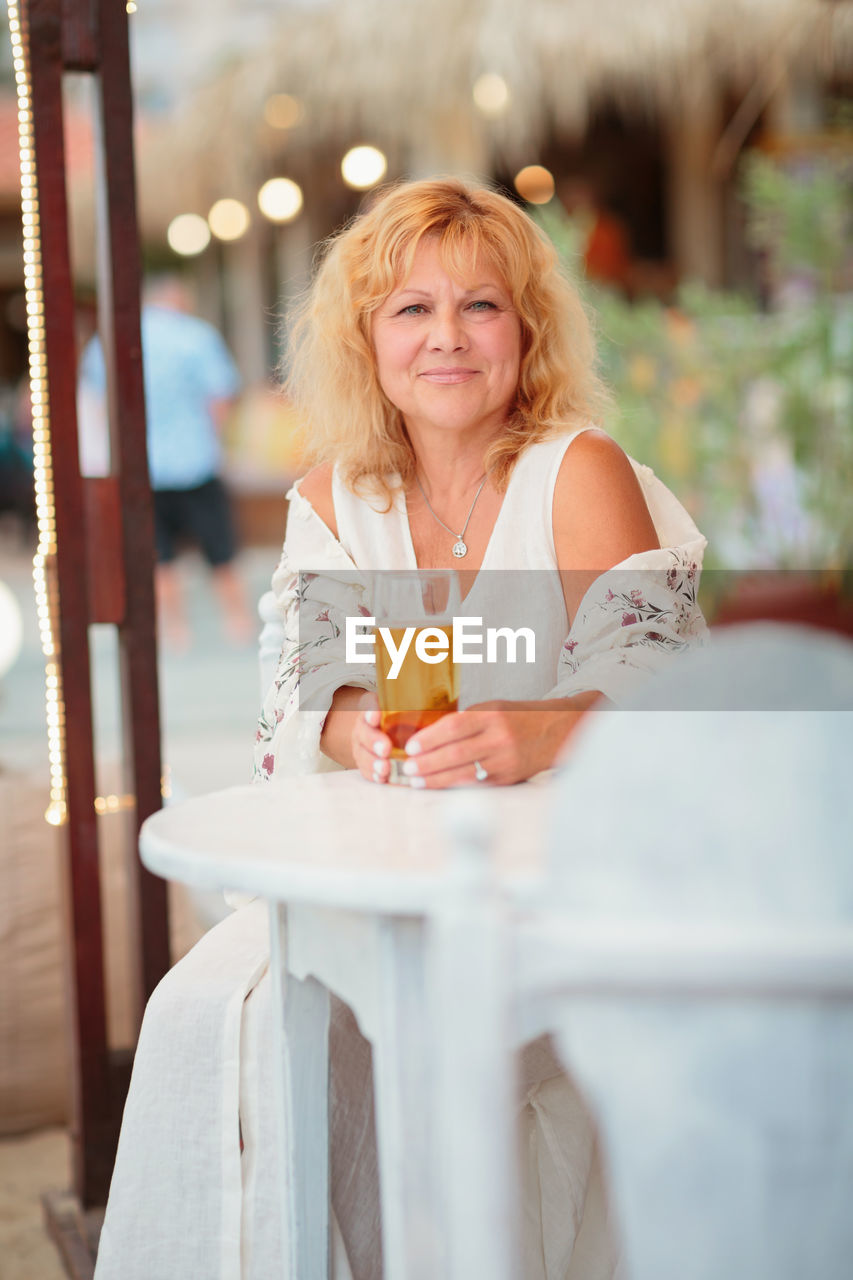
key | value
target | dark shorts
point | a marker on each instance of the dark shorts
(201, 515)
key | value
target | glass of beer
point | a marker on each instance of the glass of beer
(418, 681)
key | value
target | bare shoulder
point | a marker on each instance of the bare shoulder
(593, 455)
(600, 515)
(316, 488)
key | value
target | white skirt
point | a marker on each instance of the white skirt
(185, 1200)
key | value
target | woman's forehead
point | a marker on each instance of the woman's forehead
(465, 260)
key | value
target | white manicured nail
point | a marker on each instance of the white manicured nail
(413, 747)
(418, 783)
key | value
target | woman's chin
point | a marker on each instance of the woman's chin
(458, 420)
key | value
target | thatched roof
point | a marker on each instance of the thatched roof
(399, 73)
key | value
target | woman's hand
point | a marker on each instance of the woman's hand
(371, 748)
(511, 741)
(351, 735)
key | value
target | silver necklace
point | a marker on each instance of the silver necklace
(460, 546)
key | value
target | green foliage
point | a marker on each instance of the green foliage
(800, 217)
(748, 415)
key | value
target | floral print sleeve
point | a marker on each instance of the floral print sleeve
(630, 622)
(313, 607)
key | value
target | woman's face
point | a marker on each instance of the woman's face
(448, 350)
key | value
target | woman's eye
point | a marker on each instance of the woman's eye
(413, 309)
(483, 304)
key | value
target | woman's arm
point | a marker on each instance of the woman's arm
(348, 737)
(599, 516)
(296, 726)
(345, 717)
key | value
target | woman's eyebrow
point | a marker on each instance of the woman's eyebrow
(424, 293)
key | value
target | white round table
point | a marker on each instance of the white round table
(334, 839)
(355, 876)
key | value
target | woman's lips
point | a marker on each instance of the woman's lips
(448, 377)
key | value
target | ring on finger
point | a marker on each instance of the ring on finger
(480, 773)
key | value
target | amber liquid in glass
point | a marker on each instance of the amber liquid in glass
(422, 693)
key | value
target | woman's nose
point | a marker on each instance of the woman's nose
(447, 332)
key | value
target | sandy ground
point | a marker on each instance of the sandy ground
(30, 1166)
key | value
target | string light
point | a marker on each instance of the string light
(363, 167)
(280, 199)
(491, 94)
(283, 111)
(535, 184)
(229, 219)
(44, 581)
(188, 234)
(114, 804)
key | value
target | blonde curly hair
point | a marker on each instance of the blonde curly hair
(333, 382)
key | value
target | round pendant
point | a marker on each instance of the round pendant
(460, 549)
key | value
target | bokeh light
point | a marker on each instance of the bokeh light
(280, 199)
(188, 234)
(363, 167)
(491, 94)
(229, 219)
(283, 111)
(535, 184)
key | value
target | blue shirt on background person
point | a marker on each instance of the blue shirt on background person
(190, 380)
(187, 368)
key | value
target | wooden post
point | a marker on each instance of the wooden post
(119, 274)
(695, 194)
(104, 559)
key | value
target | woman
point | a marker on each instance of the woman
(445, 371)
(443, 366)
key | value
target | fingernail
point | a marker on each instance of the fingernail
(413, 747)
(381, 747)
(418, 783)
(410, 768)
(377, 776)
(372, 718)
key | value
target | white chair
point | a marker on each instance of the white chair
(695, 963)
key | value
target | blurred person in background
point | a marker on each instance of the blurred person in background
(606, 239)
(191, 383)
